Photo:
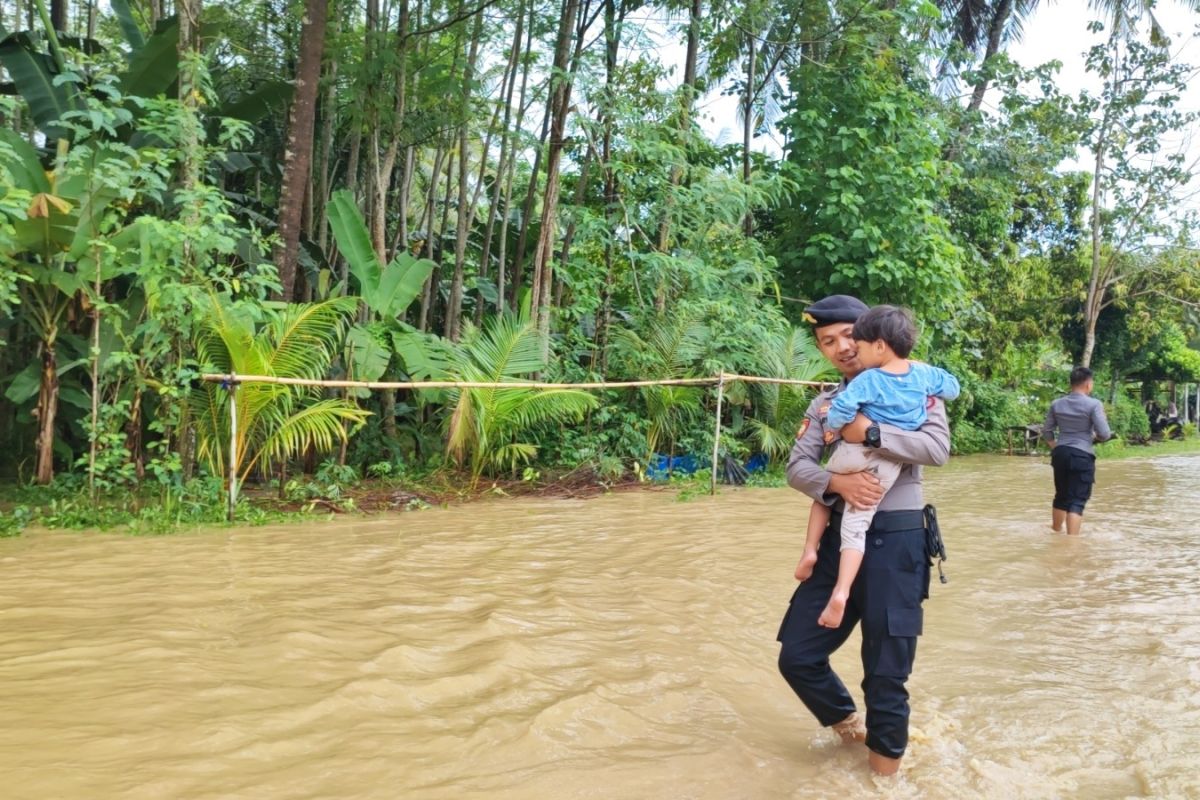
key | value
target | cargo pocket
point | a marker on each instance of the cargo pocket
(1084, 468)
(905, 621)
(898, 649)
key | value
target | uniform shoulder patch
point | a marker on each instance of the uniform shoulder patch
(803, 428)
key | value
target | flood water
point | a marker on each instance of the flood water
(620, 647)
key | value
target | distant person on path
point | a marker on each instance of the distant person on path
(1073, 422)
(886, 595)
(892, 390)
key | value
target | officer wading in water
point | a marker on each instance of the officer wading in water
(1072, 424)
(893, 581)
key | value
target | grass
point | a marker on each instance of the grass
(66, 505)
(1170, 447)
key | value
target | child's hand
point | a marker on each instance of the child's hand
(830, 435)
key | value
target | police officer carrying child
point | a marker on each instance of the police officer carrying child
(1073, 422)
(887, 594)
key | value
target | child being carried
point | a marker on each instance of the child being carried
(893, 390)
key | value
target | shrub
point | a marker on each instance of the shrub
(1128, 419)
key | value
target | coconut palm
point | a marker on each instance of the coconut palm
(779, 409)
(274, 423)
(672, 348)
(984, 27)
(488, 426)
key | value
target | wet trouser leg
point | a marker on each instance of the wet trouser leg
(1074, 476)
(886, 598)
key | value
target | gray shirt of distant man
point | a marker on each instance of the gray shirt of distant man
(1076, 420)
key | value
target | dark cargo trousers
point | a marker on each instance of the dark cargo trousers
(886, 597)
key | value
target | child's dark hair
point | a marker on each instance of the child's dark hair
(893, 324)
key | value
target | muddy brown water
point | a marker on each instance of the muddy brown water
(618, 647)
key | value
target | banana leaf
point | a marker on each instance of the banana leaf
(154, 67)
(387, 292)
(400, 284)
(33, 74)
(26, 169)
(353, 241)
(129, 26)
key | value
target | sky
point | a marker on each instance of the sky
(1057, 31)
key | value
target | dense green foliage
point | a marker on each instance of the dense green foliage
(511, 192)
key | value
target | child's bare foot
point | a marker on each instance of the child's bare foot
(804, 569)
(831, 617)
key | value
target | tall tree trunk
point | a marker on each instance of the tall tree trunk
(433, 246)
(47, 410)
(1091, 308)
(192, 162)
(612, 42)
(687, 100)
(58, 15)
(518, 262)
(508, 86)
(580, 196)
(560, 104)
(465, 220)
(1097, 283)
(995, 36)
(324, 168)
(188, 14)
(297, 157)
(748, 125)
(506, 213)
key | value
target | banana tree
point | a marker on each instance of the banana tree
(54, 251)
(274, 423)
(36, 65)
(383, 343)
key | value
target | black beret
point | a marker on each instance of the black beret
(833, 309)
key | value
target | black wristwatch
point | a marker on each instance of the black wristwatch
(871, 438)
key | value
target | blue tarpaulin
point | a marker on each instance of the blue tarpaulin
(663, 466)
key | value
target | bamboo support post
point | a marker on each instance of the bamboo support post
(712, 481)
(232, 446)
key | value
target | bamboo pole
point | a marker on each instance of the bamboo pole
(712, 481)
(232, 446)
(720, 380)
(341, 384)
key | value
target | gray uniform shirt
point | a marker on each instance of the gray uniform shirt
(928, 446)
(1074, 420)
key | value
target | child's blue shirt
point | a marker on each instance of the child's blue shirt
(897, 400)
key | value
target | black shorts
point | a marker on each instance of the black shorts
(1074, 475)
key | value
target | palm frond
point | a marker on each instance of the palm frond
(318, 425)
(461, 432)
(301, 339)
(511, 455)
(518, 409)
